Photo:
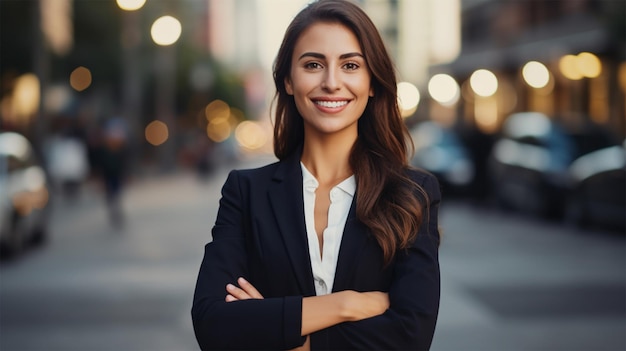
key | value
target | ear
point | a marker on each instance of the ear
(371, 94)
(288, 86)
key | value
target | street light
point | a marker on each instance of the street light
(408, 98)
(536, 74)
(484, 82)
(166, 30)
(444, 89)
(130, 5)
(132, 90)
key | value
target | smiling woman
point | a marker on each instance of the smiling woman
(335, 246)
(330, 81)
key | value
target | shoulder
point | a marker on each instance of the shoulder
(426, 181)
(252, 176)
(251, 173)
(422, 177)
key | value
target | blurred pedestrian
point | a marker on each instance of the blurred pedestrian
(68, 163)
(335, 246)
(111, 160)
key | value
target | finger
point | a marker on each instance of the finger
(230, 298)
(238, 293)
(249, 289)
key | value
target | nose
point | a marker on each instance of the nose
(332, 80)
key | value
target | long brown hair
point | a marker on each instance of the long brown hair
(386, 200)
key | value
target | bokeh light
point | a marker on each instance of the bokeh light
(250, 135)
(408, 98)
(484, 83)
(576, 67)
(130, 5)
(568, 65)
(217, 109)
(156, 133)
(589, 65)
(80, 78)
(444, 89)
(536, 74)
(218, 129)
(26, 96)
(486, 112)
(166, 30)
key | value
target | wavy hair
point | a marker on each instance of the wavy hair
(386, 199)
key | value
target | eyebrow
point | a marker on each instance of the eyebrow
(322, 57)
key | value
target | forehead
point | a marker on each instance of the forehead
(327, 38)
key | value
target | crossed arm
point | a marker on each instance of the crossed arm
(227, 308)
(320, 312)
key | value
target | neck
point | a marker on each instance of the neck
(328, 159)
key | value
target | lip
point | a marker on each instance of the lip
(332, 101)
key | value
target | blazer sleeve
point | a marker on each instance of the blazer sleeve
(271, 323)
(409, 323)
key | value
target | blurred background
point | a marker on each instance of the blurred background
(119, 120)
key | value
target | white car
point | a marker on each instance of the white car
(24, 195)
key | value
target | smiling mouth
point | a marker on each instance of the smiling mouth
(331, 104)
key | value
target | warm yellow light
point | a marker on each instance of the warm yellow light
(486, 112)
(484, 82)
(250, 135)
(166, 30)
(130, 5)
(216, 109)
(80, 78)
(156, 133)
(218, 130)
(444, 89)
(408, 98)
(589, 65)
(26, 96)
(536, 74)
(568, 65)
(57, 25)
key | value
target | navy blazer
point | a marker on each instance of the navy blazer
(260, 234)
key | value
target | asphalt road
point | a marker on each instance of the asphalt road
(508, 282)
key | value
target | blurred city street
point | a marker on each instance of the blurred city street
(508, 282)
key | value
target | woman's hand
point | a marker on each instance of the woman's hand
(243, 292)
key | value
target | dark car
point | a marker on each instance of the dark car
(24, 195)
(441, 151)
(529, 164)
(598, 195)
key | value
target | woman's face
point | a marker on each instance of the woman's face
(329, 79)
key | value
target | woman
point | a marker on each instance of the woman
(334, 246)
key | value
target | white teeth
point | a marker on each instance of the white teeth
(331, 104)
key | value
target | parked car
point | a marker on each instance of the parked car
(529, 164)
(536, 165)
(598, 195)
(440, 151)
(24, 195)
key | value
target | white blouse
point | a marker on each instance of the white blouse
(341, 196)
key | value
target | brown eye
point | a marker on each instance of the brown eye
(312, 65)
(351, 66)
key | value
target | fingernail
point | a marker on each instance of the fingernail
(242, 280)
(229, 286)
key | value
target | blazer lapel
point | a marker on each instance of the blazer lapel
(287, 202)
(355, 236)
